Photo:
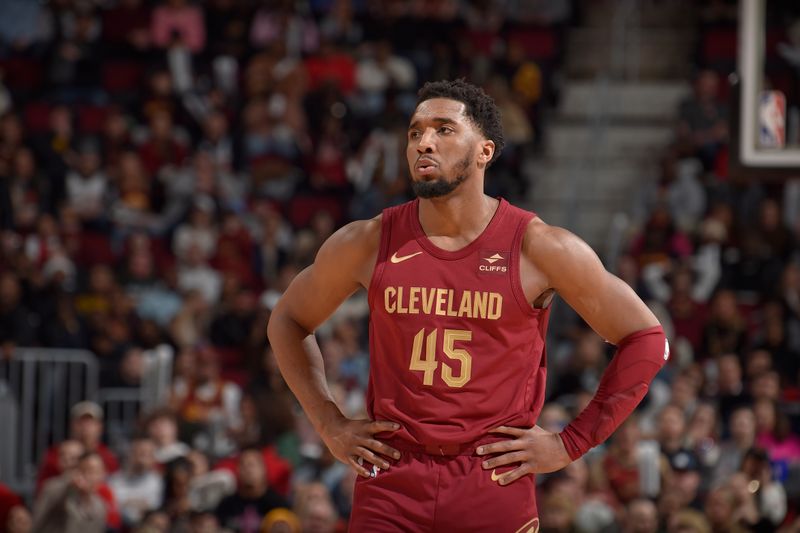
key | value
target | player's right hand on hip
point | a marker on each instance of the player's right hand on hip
(353, 442)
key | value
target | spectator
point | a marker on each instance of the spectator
(720, 506)
(278, 24)
(671, 430)
(162, 149)
(162, 428)
(688, 521)
(87, 184)
(702, 437)
(19, 520)
(641, 517)
(126, 26)
(208, 487)
(768, 497)
(775, 433)
(685, 478)
(86, 428)
(17, 325)
(730, 385)
(188, 325)
(724, 332)
(703, 120)
(137, 488)
(28, 190)
(243, 511)
(378, 71)
(71, 503)
(175, 500)
(75, 62)
(8, 501)
(626, 464)
(733, 449)
(660, 240)
(207, 403)
(200, 231)
(280, 520)
(195, 274)
(178, 20)
(315, 509)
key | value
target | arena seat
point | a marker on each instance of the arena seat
(302, 209)
(718, 47)
(540, 44)
(122, 76)
(37, 116)
(21, 73)
(91, 119)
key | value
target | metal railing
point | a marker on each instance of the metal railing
(38, 387)
(42, 385)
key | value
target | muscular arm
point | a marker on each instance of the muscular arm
(553, 259)
(571, 267)
(343, 264)
(616, 313)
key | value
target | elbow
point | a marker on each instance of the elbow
(281, 324)
(273, 325)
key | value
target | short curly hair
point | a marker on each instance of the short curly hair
(479, 107)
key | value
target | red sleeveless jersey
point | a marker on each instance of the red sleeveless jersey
(455, 349)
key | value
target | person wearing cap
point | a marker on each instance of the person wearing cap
(86, 430)
(86, 427)
(685, 477)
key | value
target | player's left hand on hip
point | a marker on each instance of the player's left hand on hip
(537, 451)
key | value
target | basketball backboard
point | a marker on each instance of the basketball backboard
(768, 136)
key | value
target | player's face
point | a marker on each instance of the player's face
(442, 143)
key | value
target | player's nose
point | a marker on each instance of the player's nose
(426, 143)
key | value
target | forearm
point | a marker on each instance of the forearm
(301, 364)
(624, 383)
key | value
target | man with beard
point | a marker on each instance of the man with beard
(459, 286)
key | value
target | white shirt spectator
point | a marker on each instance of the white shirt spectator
(86, 194)
(136, 493)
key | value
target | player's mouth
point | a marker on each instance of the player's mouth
(425, 166)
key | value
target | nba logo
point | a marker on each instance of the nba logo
(772, 120)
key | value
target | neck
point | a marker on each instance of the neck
(457, 216)
(252, 491)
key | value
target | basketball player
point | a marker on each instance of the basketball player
(459, 287)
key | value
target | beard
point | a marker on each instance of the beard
(436, 188)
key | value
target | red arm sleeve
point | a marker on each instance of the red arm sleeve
(639, 357)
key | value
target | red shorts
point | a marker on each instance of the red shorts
(442, 493)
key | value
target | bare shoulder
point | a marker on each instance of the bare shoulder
(360, 236)
(552, 248)
(354, 246)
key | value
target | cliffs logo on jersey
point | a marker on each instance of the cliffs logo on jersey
(493, 262)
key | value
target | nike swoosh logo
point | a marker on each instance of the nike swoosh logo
(495, 477)
(395, 259)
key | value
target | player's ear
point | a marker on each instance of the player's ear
(486, 152)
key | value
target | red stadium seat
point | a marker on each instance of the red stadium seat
(122, 76)
(483, 42)
(37, 117)
(21, 74)
(91, 118)
(303, 208)
(719, 46)
(539, 43)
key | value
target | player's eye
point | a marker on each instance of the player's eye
(413, 134)
(445, 130)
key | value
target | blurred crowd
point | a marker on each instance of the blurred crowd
(715, 446)
(167, 167)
